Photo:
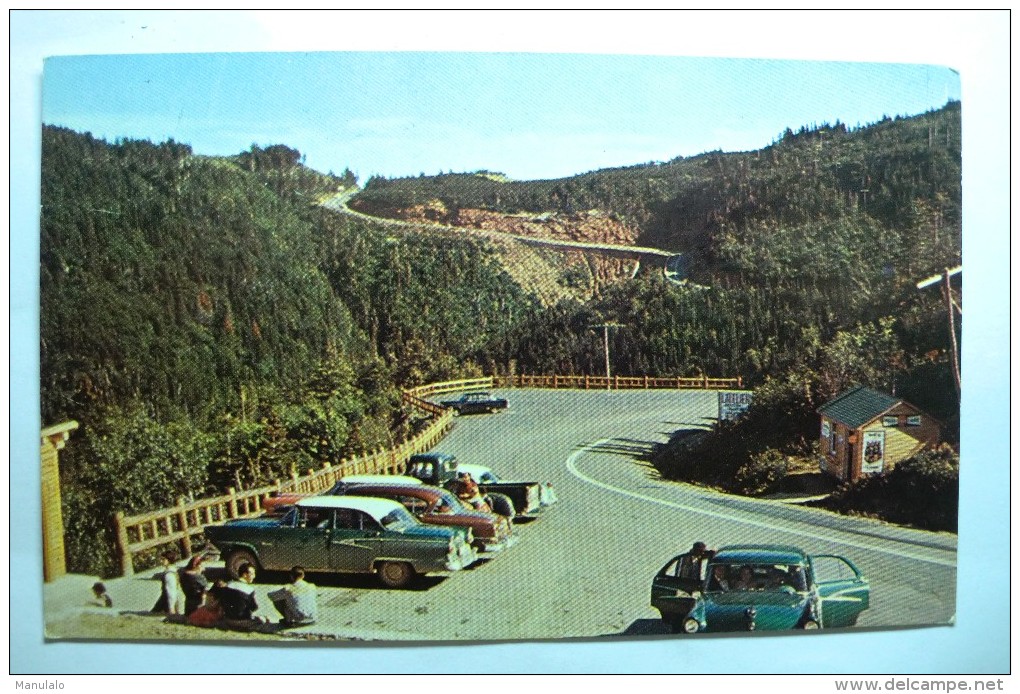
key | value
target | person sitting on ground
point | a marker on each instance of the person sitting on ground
(237, 599)
(171, 597)
(99, 591)
(209, 613)
(193, 583)
(296, 600)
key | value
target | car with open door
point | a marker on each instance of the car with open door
(761, 588)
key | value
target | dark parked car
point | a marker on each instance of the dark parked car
(761, 588)
(342, 534)
(475, 403)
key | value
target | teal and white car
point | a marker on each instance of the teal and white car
(760, 588)
(342, 534)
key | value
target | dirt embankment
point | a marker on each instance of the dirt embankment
(551, 275)
(592, 226)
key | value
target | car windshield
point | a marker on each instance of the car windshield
(398, 519)
(729, 577)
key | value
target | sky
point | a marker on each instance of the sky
(624, 116)
(529, 116)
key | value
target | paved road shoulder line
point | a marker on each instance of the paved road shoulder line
(571, 464)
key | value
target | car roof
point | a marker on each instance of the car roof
(446, 457)
(375, 507)
(381, 479)
(760, 554)
(420, 490)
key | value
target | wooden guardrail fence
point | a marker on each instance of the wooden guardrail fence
(180, 524)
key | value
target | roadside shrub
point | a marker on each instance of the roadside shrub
(762, 474)
(923, 491)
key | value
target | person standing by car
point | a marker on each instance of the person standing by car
(295, 601)
(468, 492)
(692, 564)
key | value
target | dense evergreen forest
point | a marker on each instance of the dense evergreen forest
(209, 324)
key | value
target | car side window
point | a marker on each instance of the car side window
(413, 504)
(828, 569)
(347, 519)
(315, 518)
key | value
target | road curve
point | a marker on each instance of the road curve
(339, 203)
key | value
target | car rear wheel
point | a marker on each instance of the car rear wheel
(395, 574)
(237, 558)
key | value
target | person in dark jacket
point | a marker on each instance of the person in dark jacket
(237, 599)
(193, 583)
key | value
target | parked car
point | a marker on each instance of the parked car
(761, 588)
(344, 534)
(504, 497)
(276, 504)
(436, 506)
(475, 403)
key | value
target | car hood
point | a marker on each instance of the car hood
(772, 610)
(434, 532)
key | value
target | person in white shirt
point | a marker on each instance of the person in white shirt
(296, 601)
(171, 598)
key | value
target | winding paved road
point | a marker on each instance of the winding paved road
(584, 568)
(339, 202)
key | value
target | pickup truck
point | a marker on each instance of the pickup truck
(477, 402)
(508, 498)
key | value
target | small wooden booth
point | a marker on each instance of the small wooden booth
(867, 432)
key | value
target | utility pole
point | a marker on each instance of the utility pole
(951, 308)
(605, 342)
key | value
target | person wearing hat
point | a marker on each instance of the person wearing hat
(692, 564)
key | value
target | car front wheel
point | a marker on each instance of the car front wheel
(238, 558)
(395, 574)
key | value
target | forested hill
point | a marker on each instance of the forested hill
(900, 172)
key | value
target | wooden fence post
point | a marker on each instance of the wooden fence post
(704, 381)
(182, 519)
(232, 505)
(127, 567)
